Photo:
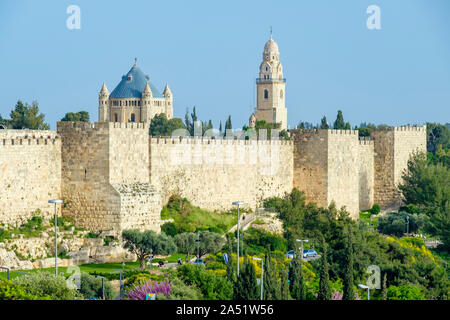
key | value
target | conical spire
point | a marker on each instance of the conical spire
(147, 91)
(167, 91)
(147, 88)
(104, 89)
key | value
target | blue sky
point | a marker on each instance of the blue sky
(209, 53)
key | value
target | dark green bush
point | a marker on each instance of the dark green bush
(12, 291)
(395, 223)
(91, 286)
(211, 285)
(375, 209)
(43, 284)
(169, 229)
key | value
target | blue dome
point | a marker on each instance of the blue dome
(133, 84)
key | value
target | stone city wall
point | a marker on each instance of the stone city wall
(30, 174)
(212, 173)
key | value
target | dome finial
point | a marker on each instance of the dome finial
(270, 32)
(135, 62)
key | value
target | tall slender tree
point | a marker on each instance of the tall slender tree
(349, 293)
(271, 283)
(230, 265)
(284, 286)
(296, 281)
(246, 287)
(340, 123)
(324, 282)
(324, 123)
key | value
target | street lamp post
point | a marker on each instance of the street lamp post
(363, 286)
(121, 280)
(56, 235)
(407, 225)
(150, 258)
(198, 246)
(7, 271)
(301, 241)
(103, 287)
(262, 274)
(238, 203)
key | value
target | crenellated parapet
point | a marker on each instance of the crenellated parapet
(215, 141)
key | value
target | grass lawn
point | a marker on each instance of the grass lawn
(365, 216)
(96, 268)
(199, 219)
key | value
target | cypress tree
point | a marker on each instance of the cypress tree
(284, 287)
(246, 287)
(271, 284)
(300, 282)
(324, 284)
(340, 123)
(296, 281)
(349, 293)
(230, 264)
(324, 123)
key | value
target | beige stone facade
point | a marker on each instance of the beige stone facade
(335, 165)
(113, 176)
(30, 174)
(105, 176)
(393, 147)
(271, 88)
(214, 173)
(134, 100)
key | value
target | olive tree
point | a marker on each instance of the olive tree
(143, 244)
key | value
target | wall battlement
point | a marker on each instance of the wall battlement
(28, 141)
(30, 174)
(343, 132)
(365, 141)
(114, 176)
(208, 141)
(101, 125)
(411, 128)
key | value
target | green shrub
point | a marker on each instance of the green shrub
(92, 235)
(180, 291)
(406, 292)
(263, 239)
(375, 209)
(273, 203)
(91, 286)
(395, 223)
(210, 284)
(4, 234)
(12, 291)
(137, 278)
(169, 229)
(47, 284)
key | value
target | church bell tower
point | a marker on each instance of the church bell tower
(271, 85)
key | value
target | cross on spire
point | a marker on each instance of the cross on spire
(270, 32)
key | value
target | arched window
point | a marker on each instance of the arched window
(132, 117)
(266, 94)
(281, 94)
(116, 118)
